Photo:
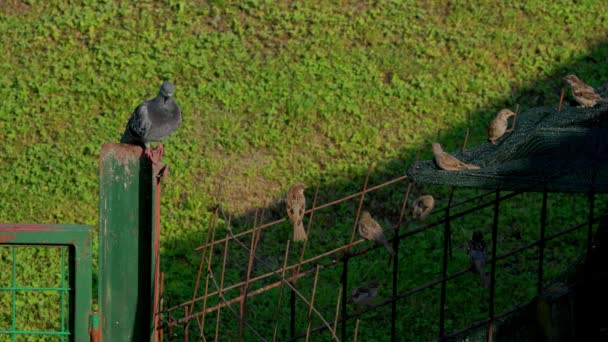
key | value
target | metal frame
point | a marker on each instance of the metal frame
(77, 238)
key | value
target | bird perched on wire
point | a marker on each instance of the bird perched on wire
(477, 252)
(582, 93)
(446, 161)
(154, 120)
(364, 295)
(498, 126)
(370, 230)
(296, 205)
(422, 207)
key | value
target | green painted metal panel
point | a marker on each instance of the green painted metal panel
(126, 260)
(78, 239)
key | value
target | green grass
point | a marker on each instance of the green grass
(274, 93)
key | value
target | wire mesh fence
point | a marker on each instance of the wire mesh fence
(45, 282)
(278, 298)
(29, 296)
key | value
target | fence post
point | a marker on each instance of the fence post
(127, 233)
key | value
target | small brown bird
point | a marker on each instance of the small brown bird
(582, 93)
(296, 205)
(364, 295)
(477, 251)
(370, 230)
(422, 207)
(498, 126)
(446, 161)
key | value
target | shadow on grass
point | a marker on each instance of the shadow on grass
(419, 258)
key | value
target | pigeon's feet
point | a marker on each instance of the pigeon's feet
(153, 155)
(148, 152)
(161, 150)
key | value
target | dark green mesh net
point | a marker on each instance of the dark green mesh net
(567, 151)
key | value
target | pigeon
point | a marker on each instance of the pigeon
(365, 294)
(296, 205)
(582, 93)
(477, 252)
(153, 120)
(370, 230)
(498, 126)
(422, 207)
(446, 161)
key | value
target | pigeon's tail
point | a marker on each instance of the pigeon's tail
(471, 167)
(128, 138)
(299, 234)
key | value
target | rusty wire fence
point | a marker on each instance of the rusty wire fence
(219, 304)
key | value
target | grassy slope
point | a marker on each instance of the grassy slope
(272, 93)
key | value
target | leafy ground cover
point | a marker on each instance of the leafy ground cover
(277, 92)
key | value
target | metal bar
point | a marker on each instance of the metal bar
(541, 245)
(352, 235)
(591, 214)
(248, 275)
(335, 326)
(276, 314)
(127, 183)
(14, 294)
(17, 332)
(444, 267)
(292, 312)
(200, 267)
(396, 263)
(466, 139)
(155, 267)
(356, 330)
(309, 227)
(312, 303)
(10, 288)
(220, 289)
(344, 294)
(62, 292)
(493, 266)
(209, 261)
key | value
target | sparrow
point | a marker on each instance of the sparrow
(582, 93)
(370, 230)
(477, 251)
(364, 295)
(422, 207)
(296, 205)
(446, 161)
(498, 126)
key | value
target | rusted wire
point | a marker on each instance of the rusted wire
(219, 291)
(209, 260)
(312, 303)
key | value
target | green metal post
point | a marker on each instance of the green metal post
(127, 185)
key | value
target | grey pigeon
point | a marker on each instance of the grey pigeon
(154, 120)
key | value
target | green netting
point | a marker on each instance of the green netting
(563, 150)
